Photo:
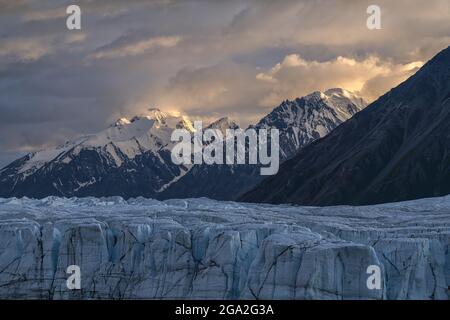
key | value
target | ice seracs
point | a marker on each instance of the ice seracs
(204, 249)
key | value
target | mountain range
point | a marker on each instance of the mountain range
(333, 151)
(132, 158)
(398, 148)
(299, 122)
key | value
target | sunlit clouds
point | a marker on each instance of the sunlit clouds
(369, 77)
(205, 59)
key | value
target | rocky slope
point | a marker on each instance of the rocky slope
(311, 117)
(300, 122)
(204, 249)
(132, 157)
(398, 148)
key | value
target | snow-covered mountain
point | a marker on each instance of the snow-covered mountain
(398, 148)
(132, 157)
(223, 124)
(300, 122)
(303, 120)
(205, 249)
(122, 141)
(129, 158)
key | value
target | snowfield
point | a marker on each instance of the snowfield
(204, 249)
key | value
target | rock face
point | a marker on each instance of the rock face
(300, 122)
(204, 249)
(398, 148)
(304, 120)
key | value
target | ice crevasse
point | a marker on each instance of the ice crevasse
(204, 249)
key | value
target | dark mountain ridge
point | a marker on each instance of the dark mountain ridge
(398, 148)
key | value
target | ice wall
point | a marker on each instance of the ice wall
(203, 249)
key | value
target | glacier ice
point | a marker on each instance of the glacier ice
(205, 249)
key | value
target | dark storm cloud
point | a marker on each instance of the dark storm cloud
(203, 58)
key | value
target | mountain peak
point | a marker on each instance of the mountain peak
(185, 123)
(152, 114)
(343, 102)
(224, 122)
(335, 93)
(338, 91)
(121, 122)
(341, 98)
(396, 149)
(156, 113)
(313, 116)
(314, 96)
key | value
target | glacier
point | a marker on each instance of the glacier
(205, 249)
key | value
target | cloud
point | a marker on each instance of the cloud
(75, 37)
(226, 89)
(124, 46)
(370, 77)
(248, 93)
(393, 75)
(13, 7)
(42, 15)
(204, 58)
(27, 49)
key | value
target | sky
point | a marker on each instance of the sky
(204, 59)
